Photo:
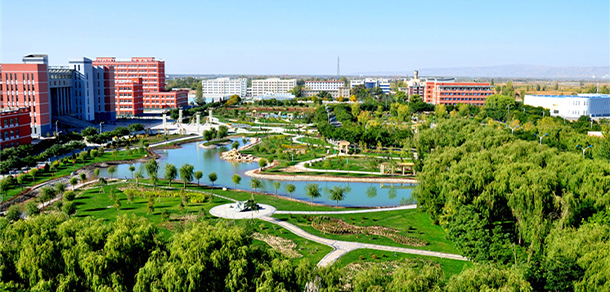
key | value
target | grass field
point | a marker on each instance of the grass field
(411, 223)
(316, 141)
(96, 204)
(64, 169)
(349, 163)
(450, 267)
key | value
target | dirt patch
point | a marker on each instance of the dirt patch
(285, 246)
(338, 226)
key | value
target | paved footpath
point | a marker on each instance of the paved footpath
(406, 207)
(342, 247)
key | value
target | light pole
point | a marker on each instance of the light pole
(584, 149)
(512, 129)
(56, 129)
(508, 106)
(540, 137)
(101, 127)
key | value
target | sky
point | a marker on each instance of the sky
(306, 37)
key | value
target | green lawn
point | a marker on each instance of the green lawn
(316, 141)
(64, 169)
(450, 267)
(98, 204)
(412, 223)
(279, 203)
(349, 163)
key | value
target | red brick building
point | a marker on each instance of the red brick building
(165, 99)
(455, 93)
(15, 127)
(129, 97)
(152, 73)
(26, 86)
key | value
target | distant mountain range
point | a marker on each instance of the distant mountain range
(510, 71)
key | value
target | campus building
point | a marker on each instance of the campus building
(15, 127)
(449, 92)
(222, 88)
(370, 83)
(333, 87)
(26, 86)
(272, 86)
(572, 106)
(129, 97)
(151, 72)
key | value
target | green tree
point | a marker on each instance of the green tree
(5, 185)
(198, 175)
(255, 184)
(276, 186)
(150, 207)
(213, 177)
(223, 131)
(152, 168)
(313, 191)
(170, 173)
(21, 179)
(132, 168)
(186, 173)
(489, 278)
(31, 209)
(235, 145)
(117, 203)
(13, 213)
(138, 175)
(440, 111)
(236, 180)
(96, 172)
(69, 208)
(83, 177)
(73, 182)
(290, 188)
(33, 173)
(337, 193)
(60, 188)
(262, 163)
(199, 91)
(112, 171)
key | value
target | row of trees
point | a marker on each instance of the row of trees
(526, 206)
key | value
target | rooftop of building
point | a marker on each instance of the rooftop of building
(35, 56)
(12, 109)
(330, 81)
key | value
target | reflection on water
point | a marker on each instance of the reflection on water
(208, 160)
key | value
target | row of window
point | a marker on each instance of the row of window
(13, 135)
(462, 98)
(454, 103)
(465, 93)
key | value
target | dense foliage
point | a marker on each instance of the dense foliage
(510, 201)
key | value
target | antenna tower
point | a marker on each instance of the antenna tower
(338, 70)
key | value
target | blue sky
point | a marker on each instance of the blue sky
(305, 37)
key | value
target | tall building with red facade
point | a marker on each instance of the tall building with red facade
(152, 73)
(26, 86)
(447, 91)
(129, 97)
(15, 127)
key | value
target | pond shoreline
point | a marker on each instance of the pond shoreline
(289, 177)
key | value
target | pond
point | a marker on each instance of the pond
(208, 160)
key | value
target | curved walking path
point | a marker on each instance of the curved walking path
(406, 207)
(342, 247)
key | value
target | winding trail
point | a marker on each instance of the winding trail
(340, 248)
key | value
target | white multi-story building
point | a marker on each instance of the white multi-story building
(314, 87)
(222, 88)
(370, 83)
(272, 86)
(323, 85)
(572, 106)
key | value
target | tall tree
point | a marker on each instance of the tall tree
(198, 175)
(152, 168)
(213, 177)
(186, 173)
(313, 191)
(236, 180)
(170, 173)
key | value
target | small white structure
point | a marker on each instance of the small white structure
(572, 106)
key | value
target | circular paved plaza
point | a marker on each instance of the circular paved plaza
(227, 211)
